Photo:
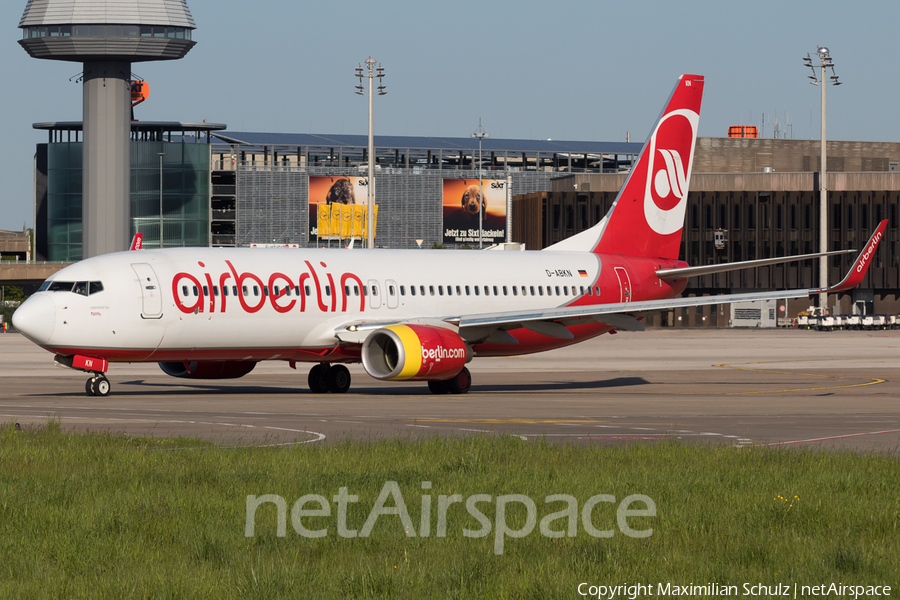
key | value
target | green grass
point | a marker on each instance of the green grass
(111, 516)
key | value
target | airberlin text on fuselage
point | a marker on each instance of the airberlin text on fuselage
(286, 300)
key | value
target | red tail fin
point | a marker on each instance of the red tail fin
(137, 242)
(647, 217)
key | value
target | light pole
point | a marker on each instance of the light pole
(480, 134)
(161, 154)
(824, 63)
(370, 186)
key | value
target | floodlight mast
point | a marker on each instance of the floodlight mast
(825, 62)
(370, 184)
(480, 134)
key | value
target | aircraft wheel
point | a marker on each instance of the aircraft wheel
(438, 387)
(461, 383)
(338, 379)
(88, 387)
(318, 382)
(99, 386)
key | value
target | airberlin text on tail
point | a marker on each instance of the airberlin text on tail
(648, 214)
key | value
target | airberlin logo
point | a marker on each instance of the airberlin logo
(441, 353)
(672, 178)
(251, 292)
(868, 253)
(670, 152)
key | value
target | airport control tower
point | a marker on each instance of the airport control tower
(107, 36)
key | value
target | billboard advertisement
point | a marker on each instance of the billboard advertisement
(337, 207)
(461, 205)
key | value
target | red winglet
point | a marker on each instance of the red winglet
(137, 241)
(858, 271)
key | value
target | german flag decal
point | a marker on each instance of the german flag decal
(582, 272)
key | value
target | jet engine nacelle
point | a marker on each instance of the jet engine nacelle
(414, 352)
(210, 369)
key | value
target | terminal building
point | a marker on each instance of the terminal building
(202, 185)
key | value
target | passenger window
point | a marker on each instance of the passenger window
(495, 291)
(487, 291)
(467, 291)
(449, 290)
(573, 291)
(307, 290)
(391, 290)
(565, 290)
(504, 290)
(458, 292)
(597, 289)
(550, 290)
(97, 286)
(524, 291)
(515, 290)
(225, 291)
(440, 290)
(374, 290)
(431, 290)
(244, 291)
(580, 288)
(532, 291)
(421, 290)
(205, 291)
(184, 290)
(402, 290)
(541, 290)
(412, 290)
(266, 291)
(476, 290)
(196, 292)
(557, 290)
(356, 290)
(297, 290)
(287, 291)
(590, 291)
(255, 290)
(328, 290)
(365, 291)
(346, 290)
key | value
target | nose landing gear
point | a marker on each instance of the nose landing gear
(98, 385)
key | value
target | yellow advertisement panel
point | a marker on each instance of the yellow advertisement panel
(337, 207)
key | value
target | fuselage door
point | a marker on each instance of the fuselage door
(393, 293)
(624, 284)
(374, 294)
(150, 292)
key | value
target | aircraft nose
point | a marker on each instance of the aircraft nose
(36, 319)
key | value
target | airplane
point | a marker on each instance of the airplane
(406, 315)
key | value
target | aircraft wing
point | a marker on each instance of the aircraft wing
(492, 327)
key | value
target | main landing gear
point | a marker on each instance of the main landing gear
(98, 385)
(329, 378)
(455, 385)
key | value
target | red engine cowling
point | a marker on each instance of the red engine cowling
(414, 352)
(211, 369)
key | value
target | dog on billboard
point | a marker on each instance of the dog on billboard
(341, 192)
(472, 204)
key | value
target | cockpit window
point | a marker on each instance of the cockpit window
(60, 286)
(83, 288)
